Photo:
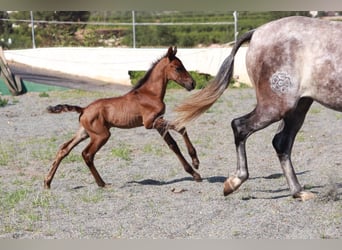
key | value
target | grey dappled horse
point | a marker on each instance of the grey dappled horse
(291, 63)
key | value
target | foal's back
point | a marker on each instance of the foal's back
(120, 112)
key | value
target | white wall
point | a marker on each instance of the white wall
(113, 64)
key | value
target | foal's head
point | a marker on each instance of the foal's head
(176, 71)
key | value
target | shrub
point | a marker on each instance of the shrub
(3, 102)
(201, 79)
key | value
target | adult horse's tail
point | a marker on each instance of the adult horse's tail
(201, 101)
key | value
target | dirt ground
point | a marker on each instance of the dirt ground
(151, 196)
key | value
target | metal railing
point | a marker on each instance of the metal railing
(32, 22)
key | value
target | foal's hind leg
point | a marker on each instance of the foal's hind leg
(161, 126)
(62, 153)
(191, 149)
(97, 140)
(283, 142)
(174, 147)
(164, 125)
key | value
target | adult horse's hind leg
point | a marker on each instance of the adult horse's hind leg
(243, 127)
(283, 142)
(62, 153)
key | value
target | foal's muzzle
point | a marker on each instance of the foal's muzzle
(190, 86)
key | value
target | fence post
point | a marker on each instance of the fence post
(235, 25)
(32, 28)
(133, 23)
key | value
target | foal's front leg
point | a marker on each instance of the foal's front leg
(162, 127)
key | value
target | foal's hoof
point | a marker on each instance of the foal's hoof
(197, 177)
(46, 185)
(105, 185)
(230, 185)
(304, 195)
(108, 185)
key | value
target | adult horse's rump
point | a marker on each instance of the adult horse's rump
(291, 62)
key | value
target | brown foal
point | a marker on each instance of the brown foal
(142, 106)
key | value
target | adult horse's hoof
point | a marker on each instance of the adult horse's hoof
(231, 184)
(304, 195)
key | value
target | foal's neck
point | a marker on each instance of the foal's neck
(157, 82)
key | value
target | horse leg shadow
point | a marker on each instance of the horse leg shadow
(213, 179)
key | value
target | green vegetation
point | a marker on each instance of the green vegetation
(122, 151)
(43, 94)
(114, 28)
(23, 209)
(154, 149)
(6, 153)
(201, 79)
(92, 197)
(3, 102)
(11, 199)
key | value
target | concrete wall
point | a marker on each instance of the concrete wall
(113, 64)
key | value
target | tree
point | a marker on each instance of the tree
(5, 29)
(50, 32)
(59, 34)
(5, 26)
(72, 16)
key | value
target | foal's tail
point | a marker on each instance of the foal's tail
(201, 101)
(64, 108)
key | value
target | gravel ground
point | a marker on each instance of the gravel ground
(151, 196)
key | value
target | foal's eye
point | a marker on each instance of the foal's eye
(178, 69)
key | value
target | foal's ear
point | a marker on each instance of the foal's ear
(171, 53)
(175, 50)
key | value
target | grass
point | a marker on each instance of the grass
(46, 148)
(44, 94)
(42, 200)
(315, 110)
(338, 116)
(19, 153)
(79, 94)
(43, 148)
(154, 149)
(23, 209)
(9, 200)
(3, 102)
(4, 156)
(92, 197)
(122, 152)
(73, 157)
(300, 136)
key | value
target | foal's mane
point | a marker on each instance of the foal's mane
(147, 75)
